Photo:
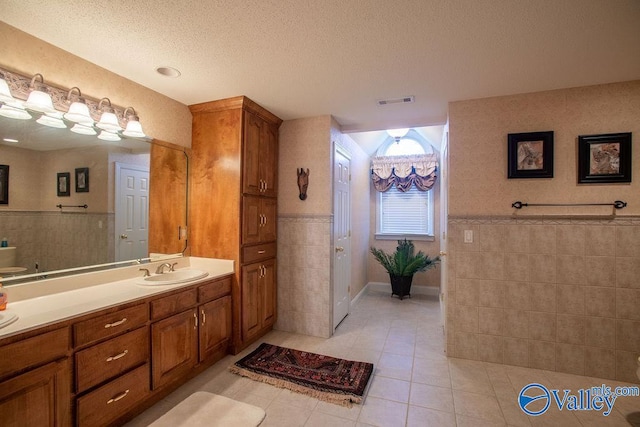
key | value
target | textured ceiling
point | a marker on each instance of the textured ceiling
(303, 58)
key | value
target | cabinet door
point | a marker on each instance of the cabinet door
(251, 300)
(269, 210)
(252, 181)
(174, 347)
(269, 159)
(215, 326)
(40, 397)
(268, 293)
(252, 219)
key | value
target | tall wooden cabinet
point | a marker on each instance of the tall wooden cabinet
(232, 205)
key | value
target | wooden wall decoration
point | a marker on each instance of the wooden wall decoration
(303, 182)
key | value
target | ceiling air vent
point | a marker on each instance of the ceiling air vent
(404, 100)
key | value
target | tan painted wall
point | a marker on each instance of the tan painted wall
(161, 117)
(304, 143)
(478, 135)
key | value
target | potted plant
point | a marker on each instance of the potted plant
(402, 265)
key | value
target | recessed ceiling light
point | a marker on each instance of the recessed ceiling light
(13, 141)
(168, 72)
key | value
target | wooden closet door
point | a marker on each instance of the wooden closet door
(252, 181)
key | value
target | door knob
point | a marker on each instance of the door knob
(339, 249)
(124, 236)
(442, 253)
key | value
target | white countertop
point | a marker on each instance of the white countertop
(44, 302)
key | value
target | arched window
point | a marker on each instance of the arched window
(409, 213)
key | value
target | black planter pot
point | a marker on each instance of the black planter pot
(401, 286)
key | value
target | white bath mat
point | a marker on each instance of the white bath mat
(211, 410)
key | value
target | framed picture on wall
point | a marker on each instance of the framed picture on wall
(82, 180)
(604, 158)
(63, 184)
(530, 155)
(4, 184)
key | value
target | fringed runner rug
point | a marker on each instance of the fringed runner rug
(324, 377)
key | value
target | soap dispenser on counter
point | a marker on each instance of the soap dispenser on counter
(4, 243)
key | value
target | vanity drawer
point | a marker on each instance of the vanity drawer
(106, 404)
(110, 358)
(214, 290)
(108, 325)
(251, 254)
(173, 304)
(34, 351)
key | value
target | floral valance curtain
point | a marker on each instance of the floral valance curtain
(404, 171)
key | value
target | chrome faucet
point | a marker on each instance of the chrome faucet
(161, 267)
(146, 272)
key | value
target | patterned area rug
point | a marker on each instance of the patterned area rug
(324, 377)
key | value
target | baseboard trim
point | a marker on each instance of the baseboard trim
(415, 290)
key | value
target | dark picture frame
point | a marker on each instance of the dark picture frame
(82, 180)
(530, 155)
(63, 184)
(4, 184)
(604, 158)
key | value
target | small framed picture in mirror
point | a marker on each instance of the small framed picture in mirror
(63, 186)
(4, 184)
(82, 180)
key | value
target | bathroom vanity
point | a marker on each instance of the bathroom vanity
(99, 354)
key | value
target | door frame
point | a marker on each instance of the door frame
(444, 227)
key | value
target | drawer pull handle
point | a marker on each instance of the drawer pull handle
(118, 397)
(204, 316)
(262, 252)
(118, 323)
(195, 318)
(117, 356)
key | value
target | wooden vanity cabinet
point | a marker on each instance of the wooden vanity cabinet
(233, 204)
(259, 216)
(259, 291)
(104, 368)
(260, 155)
(189, 335)
(35, 381)
(111, 364)
(174, 347)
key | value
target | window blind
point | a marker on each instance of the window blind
(406, 212)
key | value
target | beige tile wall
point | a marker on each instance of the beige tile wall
(59, 240)
(560, 295)
(304, 274)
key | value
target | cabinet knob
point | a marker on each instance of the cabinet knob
(339, 249)
(124, 236)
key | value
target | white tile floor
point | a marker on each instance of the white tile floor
(414, 384)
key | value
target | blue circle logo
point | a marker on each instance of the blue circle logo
(533, 396)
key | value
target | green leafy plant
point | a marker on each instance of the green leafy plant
(404, 261)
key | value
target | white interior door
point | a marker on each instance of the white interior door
(444, 223)
(132, 212)
(341, 236)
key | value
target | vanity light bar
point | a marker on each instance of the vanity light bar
(20, 87)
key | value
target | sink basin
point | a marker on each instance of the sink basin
(173, 277)
(7, 317)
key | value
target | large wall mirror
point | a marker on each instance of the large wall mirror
(76, 202)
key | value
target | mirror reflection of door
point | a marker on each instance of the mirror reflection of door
(131, 212)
